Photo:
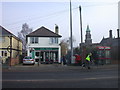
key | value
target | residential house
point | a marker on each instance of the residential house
(10, 46)
(43, 45)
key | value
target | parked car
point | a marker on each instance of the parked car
(28, 60)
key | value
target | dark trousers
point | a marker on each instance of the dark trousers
(88, 64)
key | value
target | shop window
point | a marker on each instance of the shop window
(107, 53)
(37, 54)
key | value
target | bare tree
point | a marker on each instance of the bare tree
(65, 45)
(68, 41)
(22, 35)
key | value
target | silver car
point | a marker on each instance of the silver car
(28, 60)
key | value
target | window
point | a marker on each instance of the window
(28, 57)
(36, 39)
(107, 52)
(54, 40)
(33, 39)
(4, 53)
(51, 40)
(37, 54)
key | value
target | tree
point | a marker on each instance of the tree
(68, 41)
(65, 45)
(77, 50)
(22, 35)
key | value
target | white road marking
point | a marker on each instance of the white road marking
(58, 80)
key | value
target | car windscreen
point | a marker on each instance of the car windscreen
(28, 58)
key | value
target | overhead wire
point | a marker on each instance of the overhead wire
(40, 17)
(46, 17)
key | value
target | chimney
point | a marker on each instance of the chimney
(56, 29)
(118, 33)
(110, 34)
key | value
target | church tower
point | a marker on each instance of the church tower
(88, 39)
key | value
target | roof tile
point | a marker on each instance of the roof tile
(43, 32)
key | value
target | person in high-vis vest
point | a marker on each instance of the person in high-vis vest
(88, 59)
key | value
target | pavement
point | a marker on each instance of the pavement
(55, 67)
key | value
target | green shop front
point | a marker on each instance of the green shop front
(45, 55)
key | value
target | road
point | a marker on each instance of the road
(60, 77)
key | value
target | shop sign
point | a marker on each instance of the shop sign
(107, 47)
(46, 48)
(100, 47)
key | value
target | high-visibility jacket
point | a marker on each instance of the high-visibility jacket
(88, 58)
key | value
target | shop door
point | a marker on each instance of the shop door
(42, 57)
(55, 56)
(37, 56)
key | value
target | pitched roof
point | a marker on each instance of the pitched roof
(5, 32)
(43, 32)
(110, 41)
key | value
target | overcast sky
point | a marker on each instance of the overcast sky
(101, 16)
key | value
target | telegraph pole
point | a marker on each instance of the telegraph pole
(71, 42)
(81, 24)
(81, 34)
(10, 52)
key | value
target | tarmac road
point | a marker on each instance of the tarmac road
(60, 77)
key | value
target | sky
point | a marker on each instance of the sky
(100, 15)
